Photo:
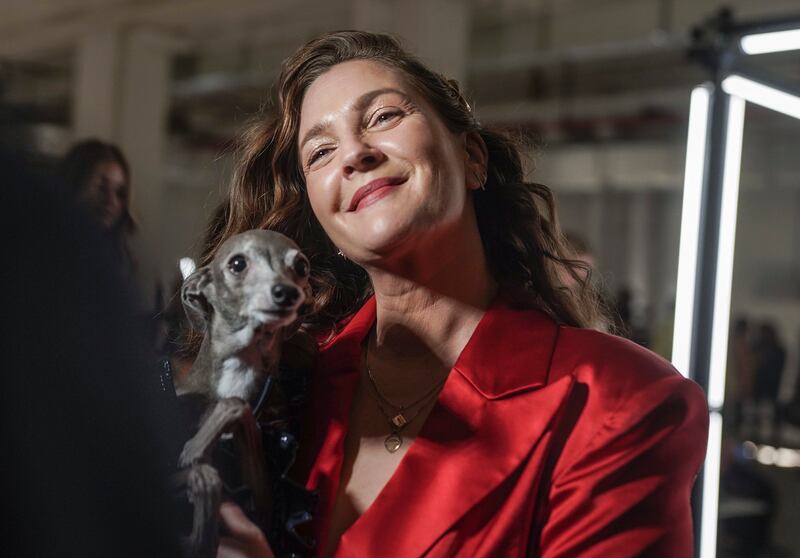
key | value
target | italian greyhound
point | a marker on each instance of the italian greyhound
(247, 301)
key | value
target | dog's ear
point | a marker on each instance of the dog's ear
(195, 293)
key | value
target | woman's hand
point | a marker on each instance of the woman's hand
(246, 540)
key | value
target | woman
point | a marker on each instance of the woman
(462, 404)
(97, 178)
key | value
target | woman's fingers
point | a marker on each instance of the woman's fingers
(246, 540)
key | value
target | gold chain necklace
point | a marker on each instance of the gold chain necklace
(397, 420)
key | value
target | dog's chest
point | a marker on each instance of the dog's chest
(236, 379)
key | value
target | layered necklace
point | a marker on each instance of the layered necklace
(398, 416)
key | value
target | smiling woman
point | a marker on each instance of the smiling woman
(517, 220)
(463, 402)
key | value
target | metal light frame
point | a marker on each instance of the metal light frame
(708, 222)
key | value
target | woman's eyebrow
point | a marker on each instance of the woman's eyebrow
(360, 104)
(364, 100)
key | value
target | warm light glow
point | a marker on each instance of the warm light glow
(708, 526)
(761, 94)
(769, 455)
(766, 455)
(690, 228)
(725, 252)
(785, 457)
(776, 41)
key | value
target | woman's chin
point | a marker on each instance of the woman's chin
(386, 245)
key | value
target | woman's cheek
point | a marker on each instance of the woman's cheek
(318, 213)
(313, 192)
(323, 199)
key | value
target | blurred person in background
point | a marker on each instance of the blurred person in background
(96, 177)
(769, 360)
(739, 383)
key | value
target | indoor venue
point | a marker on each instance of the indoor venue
(668, 131)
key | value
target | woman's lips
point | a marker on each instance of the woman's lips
(373, 191)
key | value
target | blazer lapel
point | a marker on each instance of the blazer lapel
(332, 389)
(493, 411)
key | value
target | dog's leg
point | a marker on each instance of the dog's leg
(203, 483)
(228, 414)
(233, 415)
(225, 413)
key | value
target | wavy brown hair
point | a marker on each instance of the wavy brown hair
(526, 251)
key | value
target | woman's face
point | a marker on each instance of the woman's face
(382, 170)
(105, 193)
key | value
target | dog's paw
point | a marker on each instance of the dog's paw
(204, 486)
(192, 452)
(204, 491)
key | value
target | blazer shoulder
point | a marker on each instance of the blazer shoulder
(617, 368)
(623, 394)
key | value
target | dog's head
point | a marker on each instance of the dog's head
(257, 282)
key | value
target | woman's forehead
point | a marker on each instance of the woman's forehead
(110, 169)
(339, 89)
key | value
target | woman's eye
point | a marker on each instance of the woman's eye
(386, 116)
(237, 264)
(318, 154)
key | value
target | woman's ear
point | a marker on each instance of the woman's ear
(477, 161)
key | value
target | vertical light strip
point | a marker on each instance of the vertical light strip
(708, 524)
(690, 228)
(725, 250)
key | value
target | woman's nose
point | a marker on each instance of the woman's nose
(361, 157)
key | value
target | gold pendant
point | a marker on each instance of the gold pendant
(393, 442)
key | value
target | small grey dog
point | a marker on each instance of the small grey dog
(247, 300)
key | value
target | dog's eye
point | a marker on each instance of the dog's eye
(301, 267)
(237, 264)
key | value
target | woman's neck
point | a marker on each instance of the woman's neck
(425, 318)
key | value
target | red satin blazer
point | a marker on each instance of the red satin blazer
(545, 441)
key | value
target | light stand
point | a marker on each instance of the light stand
(708, 222)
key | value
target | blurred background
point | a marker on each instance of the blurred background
(601, 90)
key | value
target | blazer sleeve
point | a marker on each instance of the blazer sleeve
(626, 492)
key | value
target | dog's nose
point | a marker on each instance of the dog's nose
(285, 295)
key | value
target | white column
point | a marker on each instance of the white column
(95, 85)
(144, 102)
(435, 30)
